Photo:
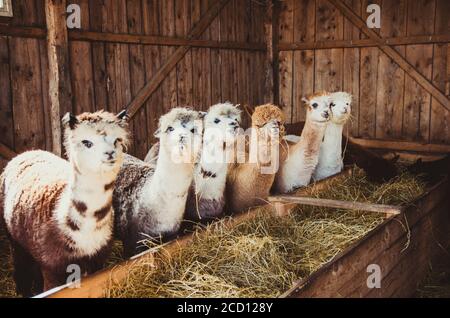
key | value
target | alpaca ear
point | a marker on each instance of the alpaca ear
(123, 115)
(305, 100)
(157, 133)
(69, 120)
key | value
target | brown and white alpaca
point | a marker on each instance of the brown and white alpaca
(330, 157)
(59, 212)
(150, 198)
(248, 185)
(302, 159)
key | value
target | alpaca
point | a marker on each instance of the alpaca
(330, 156)
(206, 197)
(59, 212)
(297, 169)
(248, 185)
(150, 198)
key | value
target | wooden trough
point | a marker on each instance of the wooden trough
(402, 246)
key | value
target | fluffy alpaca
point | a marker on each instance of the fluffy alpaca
(150, 199)
(59, 212)
(297, 169)
(330, 156)
(247, 184)
(206, 198)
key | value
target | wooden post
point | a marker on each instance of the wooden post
(271, 94)
(60, 89)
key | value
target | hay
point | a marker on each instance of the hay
(263, 257)
(7, 286)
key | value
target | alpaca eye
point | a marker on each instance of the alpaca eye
(87, 143)
(346, 104)
(217, 120)
(314, 105)
(193, 130)
(170, 128)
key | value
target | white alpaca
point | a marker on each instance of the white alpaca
(59, 212)
(330, 157)
(149, 198)
(206, 199)
(297, 169)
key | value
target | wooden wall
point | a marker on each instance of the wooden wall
(388, 103)
(108, 75)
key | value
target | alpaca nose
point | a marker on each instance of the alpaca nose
(110, 154)
(345, 110)
(234, 124)
(325, 114)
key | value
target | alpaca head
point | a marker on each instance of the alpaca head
(269, 118)
(95, 142)
(180, 133)
(340, 105)
(222, 122)
(318, 107)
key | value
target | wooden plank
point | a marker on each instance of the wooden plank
(153, 62)
(351, 69)
(338, 204)
(226, 25)
(328, 62)
(271, 20)
(216, 94)
(81, 67)
(389, 114)
(6, 110)
(368, 86)
(417, 103)
(60, 89)
(401, 145)
(353, 43)
(48, 133)
(6, 152)
(303, 69)
(117, 56)
(392, 53)
(171, 61)
(137, 79)
(126, 38)
(440, 129)
(286, 33)
(184, 66)
(23, 32)
(96, 9)
(327, 281)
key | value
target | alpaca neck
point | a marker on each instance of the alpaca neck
(331, 147)
(170, 182)
(330, 158)
(211, 172)
(85, 211)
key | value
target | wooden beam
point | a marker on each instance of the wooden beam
(91, 36)
(7, 152)
(271, 94)
(24, 32)
(392, 53)
(60, 91)
(405, 40)
(172, 61)
(358, 206)
(161, 40)
(401, 145)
